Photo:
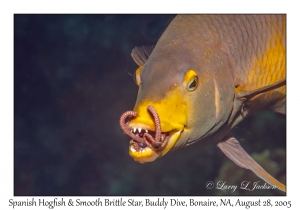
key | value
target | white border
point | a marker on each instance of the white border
(8, 8)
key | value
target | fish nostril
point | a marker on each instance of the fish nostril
(142, 145)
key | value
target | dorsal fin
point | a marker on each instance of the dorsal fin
(250, 94)
(141, 54)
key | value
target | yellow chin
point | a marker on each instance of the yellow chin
(148, 154)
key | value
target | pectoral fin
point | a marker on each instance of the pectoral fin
(233, 150)
(250, 94)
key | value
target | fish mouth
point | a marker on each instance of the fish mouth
(151, 138)
(143, 153)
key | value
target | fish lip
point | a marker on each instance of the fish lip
(148, 154)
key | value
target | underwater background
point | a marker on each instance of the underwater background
(72, 82)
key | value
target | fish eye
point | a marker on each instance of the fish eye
(190, 80)
(192, 84)
(137, 76)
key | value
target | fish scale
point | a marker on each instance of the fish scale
(206, 74)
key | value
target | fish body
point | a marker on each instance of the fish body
(205, 75)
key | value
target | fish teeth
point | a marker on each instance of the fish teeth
(139, 130)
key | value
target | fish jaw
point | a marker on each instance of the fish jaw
(165, 123)
(149, 154)
(148, 124)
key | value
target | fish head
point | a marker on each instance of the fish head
(192, 97)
